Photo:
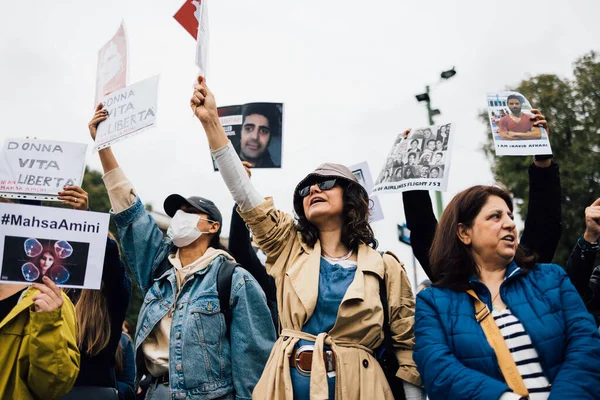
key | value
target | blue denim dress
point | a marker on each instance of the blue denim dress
(334, 281)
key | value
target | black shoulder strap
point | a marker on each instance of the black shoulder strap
(384, 302)
(224, 289)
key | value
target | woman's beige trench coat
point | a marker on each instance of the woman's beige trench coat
(358, 328)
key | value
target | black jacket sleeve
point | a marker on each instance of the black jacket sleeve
(422, 224)
(240, 247)
(543, 225)
(586, 279)
(116, 290)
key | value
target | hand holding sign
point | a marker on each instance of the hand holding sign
(75, 197)
(247, 165)
(592, 222)
(540, 120)
(99, 116)
(203, 102)
(49, 298)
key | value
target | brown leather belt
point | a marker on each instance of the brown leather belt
(301, 359)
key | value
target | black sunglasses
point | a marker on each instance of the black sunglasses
(323, 185)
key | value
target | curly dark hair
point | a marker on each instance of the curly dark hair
(355, 227)
(451, 261)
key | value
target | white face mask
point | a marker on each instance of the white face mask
(183, 229)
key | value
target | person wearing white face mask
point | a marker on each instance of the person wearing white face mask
(186, 336)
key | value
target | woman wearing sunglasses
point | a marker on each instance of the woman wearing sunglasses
(328, 278)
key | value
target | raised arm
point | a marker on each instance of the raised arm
(141, 238)
(543, 225)
(230, 166)
(421, 222)
(271, 227)
(581, 262)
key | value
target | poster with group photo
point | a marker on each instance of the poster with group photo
(362, 172)
(111, 73)
(39, 169)
(131, 110)
(419, 162)
(512, 126)
(65, 245)
(255, 130)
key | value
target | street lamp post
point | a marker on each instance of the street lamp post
(424, 97)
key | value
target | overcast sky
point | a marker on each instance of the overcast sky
(347, 72)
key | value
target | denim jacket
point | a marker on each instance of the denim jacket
(200, 349)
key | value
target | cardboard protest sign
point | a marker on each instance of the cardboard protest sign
(65, 245)
(419, 162)
(131, 110)
(362, 172)
(255, 130)
(193, 17)
(112, 65)
(39, 169)
(512, 126)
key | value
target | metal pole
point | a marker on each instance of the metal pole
(438, 194)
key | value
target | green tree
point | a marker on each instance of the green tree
(572, 108)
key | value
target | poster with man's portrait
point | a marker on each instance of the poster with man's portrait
(513, 126)
(417, 161)
(255, 130)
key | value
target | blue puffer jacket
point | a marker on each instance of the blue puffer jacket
(456, 362)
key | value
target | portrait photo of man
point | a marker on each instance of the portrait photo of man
(517, 125)
(261, 122)
(255, 130)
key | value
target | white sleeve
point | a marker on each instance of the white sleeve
(236, 179)
(510, 396)
(412, 392)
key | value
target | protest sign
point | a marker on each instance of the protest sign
(362, 172)
(39, 169)
(111, 74)
(193, 17)
(131, 110)
(512, 126)
(419, 162)
(65, 245)
(255, 130)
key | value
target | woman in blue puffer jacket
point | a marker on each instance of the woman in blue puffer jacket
(552, 339)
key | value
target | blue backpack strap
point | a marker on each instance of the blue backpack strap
(224, 277)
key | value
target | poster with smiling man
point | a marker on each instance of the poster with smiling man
(255, 130)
